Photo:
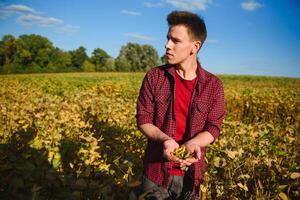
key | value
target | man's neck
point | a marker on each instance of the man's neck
(187, 70)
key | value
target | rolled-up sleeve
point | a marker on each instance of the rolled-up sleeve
(145, 102)
(217, 111)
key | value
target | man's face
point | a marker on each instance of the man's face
(179, 46)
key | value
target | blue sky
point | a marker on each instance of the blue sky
(259, 37)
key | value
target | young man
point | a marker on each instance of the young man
(179, 104)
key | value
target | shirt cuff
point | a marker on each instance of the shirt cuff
(143, 120)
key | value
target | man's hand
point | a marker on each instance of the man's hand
(193, 148)
(169, 146)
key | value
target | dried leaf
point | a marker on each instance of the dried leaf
(231, 154)
(281, 187)
(283, 196)
(295, 175)
(244, 187)
(219, 162)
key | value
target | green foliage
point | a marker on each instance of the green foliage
(78, 57)
(88, 66)
(32, 50)
(148, 58)
(109, 65)
(135, 57)
(34, 53)
(7, 52)
(102, 60)
(60, 61)
(122, 63)
(163, 60)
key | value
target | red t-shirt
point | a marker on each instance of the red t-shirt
(183, 94)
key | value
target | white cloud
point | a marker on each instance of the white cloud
(27, 16)
(139, 36)
(190, 4)
(251, 5)
(19, 9)
(128, 12)
(153, 5)
(12, 9)
(28, 20)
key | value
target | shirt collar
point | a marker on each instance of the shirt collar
(200, 72)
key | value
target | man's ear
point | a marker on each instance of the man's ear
(197, 46)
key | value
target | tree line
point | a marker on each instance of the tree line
(32, 53)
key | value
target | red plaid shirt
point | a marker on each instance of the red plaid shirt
(155, 105)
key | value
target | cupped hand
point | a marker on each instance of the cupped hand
(193, 148)
(187, 162)
(169, 146)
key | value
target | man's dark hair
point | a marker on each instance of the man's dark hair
(194, 23)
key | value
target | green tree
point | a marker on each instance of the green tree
(122, 63)
(99, 58)
(78, 57)
(23, 60)
(163, 60)
(7, 52)
(109, 65)
(60, 61)
(135, 57)
(128, 59)
(2, 57)
(33, 53)
(148, 58)
(43, 57)
(88, 66)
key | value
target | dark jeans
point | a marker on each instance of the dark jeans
(179, 188)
